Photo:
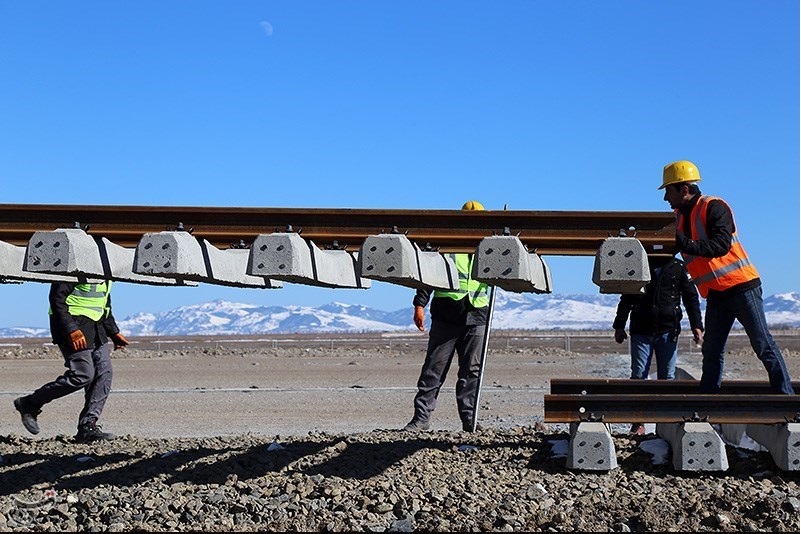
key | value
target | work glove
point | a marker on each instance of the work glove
(119, 341)
(620, 335)
(78, 340)
(420, 318)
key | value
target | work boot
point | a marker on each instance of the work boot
(417, 425)
(467, 426)
(91, 432)
(28, 414)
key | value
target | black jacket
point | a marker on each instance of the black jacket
(445, 309)
(62, 323)
(658, 310)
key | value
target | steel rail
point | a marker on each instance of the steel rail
(717, 408)
(626, 386)
(565, 233)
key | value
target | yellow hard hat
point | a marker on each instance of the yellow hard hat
(472, 205)
(678, 172)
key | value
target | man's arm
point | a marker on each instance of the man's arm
(421, 297)
(622, 313)
(691, 301)
(420, 300)
(719, 230)
(109, 324)
(621, 316)
(59, 292)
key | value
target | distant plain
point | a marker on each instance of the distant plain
(336, 383)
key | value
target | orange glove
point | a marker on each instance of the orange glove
(119, 341)
(420, 318)
(78, 340)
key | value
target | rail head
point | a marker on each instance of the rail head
(672, 408)
(627, 386)
(546, 232)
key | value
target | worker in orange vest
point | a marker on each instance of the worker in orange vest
(707, 239)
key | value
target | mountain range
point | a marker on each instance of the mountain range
(512, 311)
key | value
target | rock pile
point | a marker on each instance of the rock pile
(385, 480)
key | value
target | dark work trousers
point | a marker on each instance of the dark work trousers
(443, 341)
(748, 308)
(89, 370)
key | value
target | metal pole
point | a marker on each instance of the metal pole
(484, 349)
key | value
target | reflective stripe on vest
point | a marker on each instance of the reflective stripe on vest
(89, 300)
(720, 273)
(476, 291)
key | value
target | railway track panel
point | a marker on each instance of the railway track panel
(683, 417)
(260, 247)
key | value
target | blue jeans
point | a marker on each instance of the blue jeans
(642, 347)
(748, 309)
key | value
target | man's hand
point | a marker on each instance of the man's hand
(119, 341)
(78, 340)
(620, 335)
(420, 318)
(681, 241)
(698, 336)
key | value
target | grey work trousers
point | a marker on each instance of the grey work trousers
(444, 340)
(89, 370)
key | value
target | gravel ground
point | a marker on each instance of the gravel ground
(511, 476)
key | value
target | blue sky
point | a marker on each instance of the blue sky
(415, 105)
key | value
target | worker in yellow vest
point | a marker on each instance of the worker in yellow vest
(81, 324)
(717, 262)
(458, 323)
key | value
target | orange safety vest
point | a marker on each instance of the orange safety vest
(724, 272)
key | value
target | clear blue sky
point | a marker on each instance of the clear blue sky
(541, 105)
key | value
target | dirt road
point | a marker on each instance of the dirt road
(213, 390)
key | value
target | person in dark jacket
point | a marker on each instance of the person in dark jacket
(458, 325)
(655, 321)
(656, 316)
(81, 324)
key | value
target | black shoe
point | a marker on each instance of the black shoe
(91, 432)
(416, 425)
(467, 426)
(28, 415)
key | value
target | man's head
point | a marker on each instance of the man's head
(680, 182)
(472, 205)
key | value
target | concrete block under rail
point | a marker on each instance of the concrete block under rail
(12, 260)
(591, 447)
(695, 446)
(504, 261)
(393, 258)
(179, 255)
(287, 256)
(621, 266)
(71, 252)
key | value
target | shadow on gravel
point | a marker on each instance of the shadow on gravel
(126, 463)
(75, 467)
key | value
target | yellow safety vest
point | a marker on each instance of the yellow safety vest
(89, 300)
(476, 291)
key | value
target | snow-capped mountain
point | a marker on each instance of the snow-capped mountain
(513, 311)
